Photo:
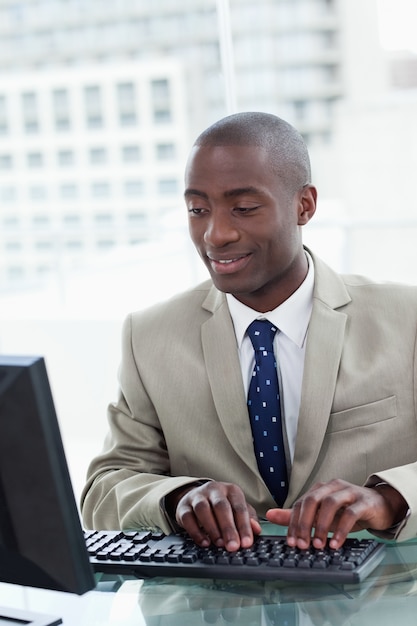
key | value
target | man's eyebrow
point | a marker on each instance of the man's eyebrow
(195, 192)
(240, 191)
(231, 193)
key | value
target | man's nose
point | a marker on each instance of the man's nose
(220, 231)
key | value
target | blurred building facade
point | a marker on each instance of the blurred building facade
(99, 103)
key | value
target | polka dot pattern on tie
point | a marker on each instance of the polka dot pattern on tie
(265, 411)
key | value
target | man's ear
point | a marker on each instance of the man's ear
(307, 204)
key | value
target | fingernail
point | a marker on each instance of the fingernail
(232, 546)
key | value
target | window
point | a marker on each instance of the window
(15, 272)
(66, 158)
(74, 244)
(68, 191)
(6, 161)
(98, 155)
(93, 107)
(168, 186)
(131, 154)
(136, 219)
(8, 195)
(61, 109)
(162, 116)
(301, 109)
(100, 190)
(11, 222)
(126, 98)
(134, 241)
(165, 151)
(161, 105)
(134, 188)
(40, 221)
(13, 246)
(103, 219)
(30, 112)
(43, 245)
(105, 244)
(35, 159)
(37, 193)
(4, 127)
(72, 219)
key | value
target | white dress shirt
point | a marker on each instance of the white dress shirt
(292, 318)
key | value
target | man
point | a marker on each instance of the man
(181, 447)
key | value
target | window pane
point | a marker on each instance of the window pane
(61, 109)
(6, 161)
(66, 157)
(30, 112)
(35, 159)
(131, 154)
(98, 155)
(100, 190)
(93, 107)
(134, 187)
(165, 151)
(161, 100)
(4, 125)
(126, 96)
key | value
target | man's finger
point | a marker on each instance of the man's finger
(279, 516)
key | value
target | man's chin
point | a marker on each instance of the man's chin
(230, 286)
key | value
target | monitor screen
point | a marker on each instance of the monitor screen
(41, 539)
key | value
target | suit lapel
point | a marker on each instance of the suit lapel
(323, 352)
(224, 373)
(322, 359)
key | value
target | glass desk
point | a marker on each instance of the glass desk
(386, 597)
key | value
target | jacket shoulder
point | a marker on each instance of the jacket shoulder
(358, 285)
(183, 307)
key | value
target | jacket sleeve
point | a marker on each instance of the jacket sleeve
(404, 480)
(128, 481)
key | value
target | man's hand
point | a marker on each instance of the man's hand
(341, 508)
(217, 513)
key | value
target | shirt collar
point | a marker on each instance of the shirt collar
(291, 317)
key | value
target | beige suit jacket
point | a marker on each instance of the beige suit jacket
(182, 412)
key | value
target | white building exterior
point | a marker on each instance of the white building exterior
(90, 158)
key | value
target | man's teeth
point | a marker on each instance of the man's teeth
(224, 262)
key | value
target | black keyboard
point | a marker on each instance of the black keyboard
(145, 554)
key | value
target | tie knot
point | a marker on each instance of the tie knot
(261, 334)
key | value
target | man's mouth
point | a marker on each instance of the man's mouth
(230, 265)
(227, 260)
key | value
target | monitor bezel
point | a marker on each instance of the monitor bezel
(35, 486)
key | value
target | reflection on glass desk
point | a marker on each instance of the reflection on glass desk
(387, 596)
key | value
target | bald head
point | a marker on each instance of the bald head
(286, 148)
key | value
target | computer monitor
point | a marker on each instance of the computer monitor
(41, 539)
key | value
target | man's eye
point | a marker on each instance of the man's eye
(245, 209)
(195, 210)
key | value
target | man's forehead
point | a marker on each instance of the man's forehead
(219, 155)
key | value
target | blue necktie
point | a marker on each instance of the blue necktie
(265, 411)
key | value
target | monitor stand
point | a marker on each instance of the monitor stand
(15, 617)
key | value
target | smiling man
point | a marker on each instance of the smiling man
(191, 431)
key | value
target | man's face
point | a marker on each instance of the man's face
(245, 225)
